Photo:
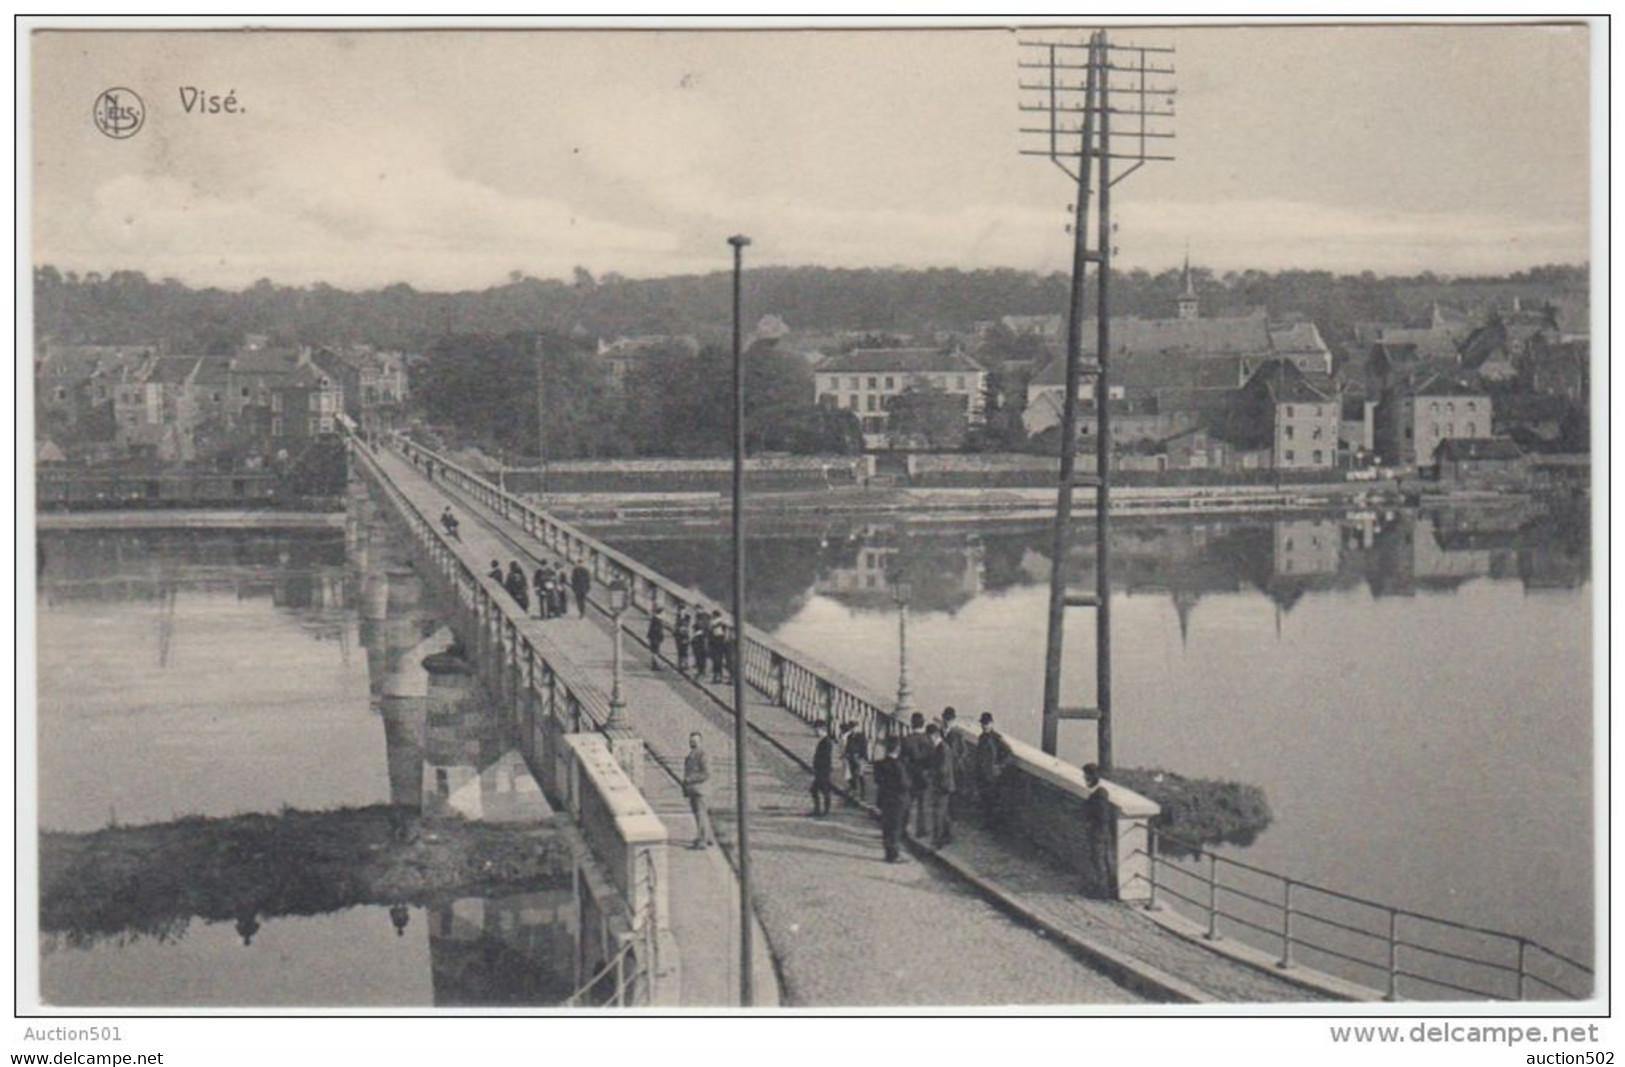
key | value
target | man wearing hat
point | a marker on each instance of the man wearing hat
(991, 757)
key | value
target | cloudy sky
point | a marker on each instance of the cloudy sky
(448, 159)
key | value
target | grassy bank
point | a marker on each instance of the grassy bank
(1201, 811)
(152, 880)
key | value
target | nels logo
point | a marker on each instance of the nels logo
(119, 113)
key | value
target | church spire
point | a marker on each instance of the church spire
(1189, 306)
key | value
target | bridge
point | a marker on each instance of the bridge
(1012, 917)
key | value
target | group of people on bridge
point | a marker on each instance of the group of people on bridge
(699, 636)
(936, 771)
(551, 585)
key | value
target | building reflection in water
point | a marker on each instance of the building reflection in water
(1398, 552)
(303, 573)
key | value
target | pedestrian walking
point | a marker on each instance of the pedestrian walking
(702, 642)
(680, 636)
(448, 522)
(722, 666)
(656, 635)
(891, 794)
(697, 788)
(915, 751)
(539, 583)
(991, 758)
(496, 574)
(939, 787)
(581, 583)
(516, 587)
(823, 784)
(560, 595)
(855, 750)
(550, 594)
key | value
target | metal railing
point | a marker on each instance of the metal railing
(814, 692)
(1378, 944)
(1385, 944)
(626, 978)
(558, 690)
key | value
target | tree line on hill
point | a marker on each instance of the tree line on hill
(126, 306)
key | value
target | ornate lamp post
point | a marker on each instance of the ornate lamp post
(617, 705)
(900, 593)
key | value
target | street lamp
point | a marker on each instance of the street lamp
(741, 778)
(900, 593)
(617, 704)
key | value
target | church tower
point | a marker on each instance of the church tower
(1189, 307)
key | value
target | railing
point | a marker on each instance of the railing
(815, 692)
(556, 689)
(1379, 944)
(629, 971)
(559, 689)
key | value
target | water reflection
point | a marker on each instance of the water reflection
(210, 672)
(1388, 553)
(1377, 673)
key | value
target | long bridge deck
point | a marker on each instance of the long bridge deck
(981, 923)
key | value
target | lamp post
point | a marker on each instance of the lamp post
(741, 793)
(900, 592)
(617, 704)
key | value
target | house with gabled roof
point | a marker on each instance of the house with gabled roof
(1416, 416)
(865, 380)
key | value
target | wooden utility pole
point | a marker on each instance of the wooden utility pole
(1093, 157)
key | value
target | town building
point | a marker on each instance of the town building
(865, 381)
(1415, 417)
(76, 383)
(1560, 367)
(1300, 419)
(1481, 463)
(373, 383)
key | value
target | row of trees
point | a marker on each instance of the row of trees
(670, 403)
(126, 306)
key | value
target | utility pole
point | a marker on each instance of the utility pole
(541, 420)
(1108, 69)
(741, 792)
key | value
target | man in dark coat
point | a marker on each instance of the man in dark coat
(548, 596)
(823, 783)
(991, 757)
(581, 584)
(516, 586)
(915, 751)
(959, 752)
(940, 784)
(656, 635)
(891, 794)
(702, 642)
(1100, 825)
(680, 634)
(721, 651)
(539, 584)
(496, 575)
(855, 749)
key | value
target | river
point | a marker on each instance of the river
(189, 672)
(1412, 690)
